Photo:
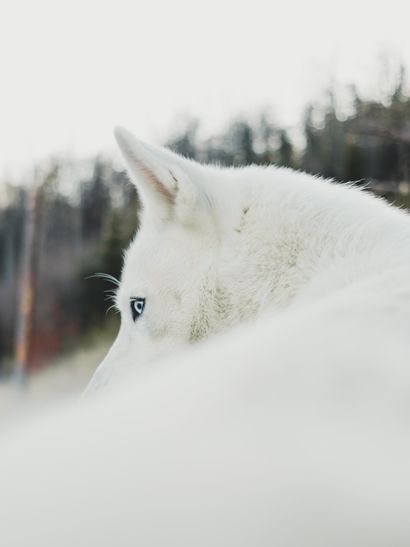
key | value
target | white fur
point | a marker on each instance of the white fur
(291, 429)
(275, 434)
(218, 247)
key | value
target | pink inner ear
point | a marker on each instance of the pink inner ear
(154, 180)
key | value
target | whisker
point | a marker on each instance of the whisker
(106, 276)
(111, 293)
(113, 307)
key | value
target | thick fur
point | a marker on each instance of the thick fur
(219, 247)
(289, 429)
(272, 435)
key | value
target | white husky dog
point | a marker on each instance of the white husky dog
(292, 429)
(218, 247)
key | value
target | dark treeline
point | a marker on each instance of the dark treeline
(89, 210)
(80, 233)
(370, 143)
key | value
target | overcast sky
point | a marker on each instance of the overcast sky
(72, 70)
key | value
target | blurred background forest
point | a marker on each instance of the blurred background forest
(83, 213)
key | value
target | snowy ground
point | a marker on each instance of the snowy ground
(62, 380)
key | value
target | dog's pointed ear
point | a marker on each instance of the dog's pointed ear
(162, 179)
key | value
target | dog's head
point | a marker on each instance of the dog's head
(181, 274)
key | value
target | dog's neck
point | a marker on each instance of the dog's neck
(289, 233)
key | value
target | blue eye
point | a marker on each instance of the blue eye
(137, 307)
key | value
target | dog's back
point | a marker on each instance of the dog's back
(276, 434)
